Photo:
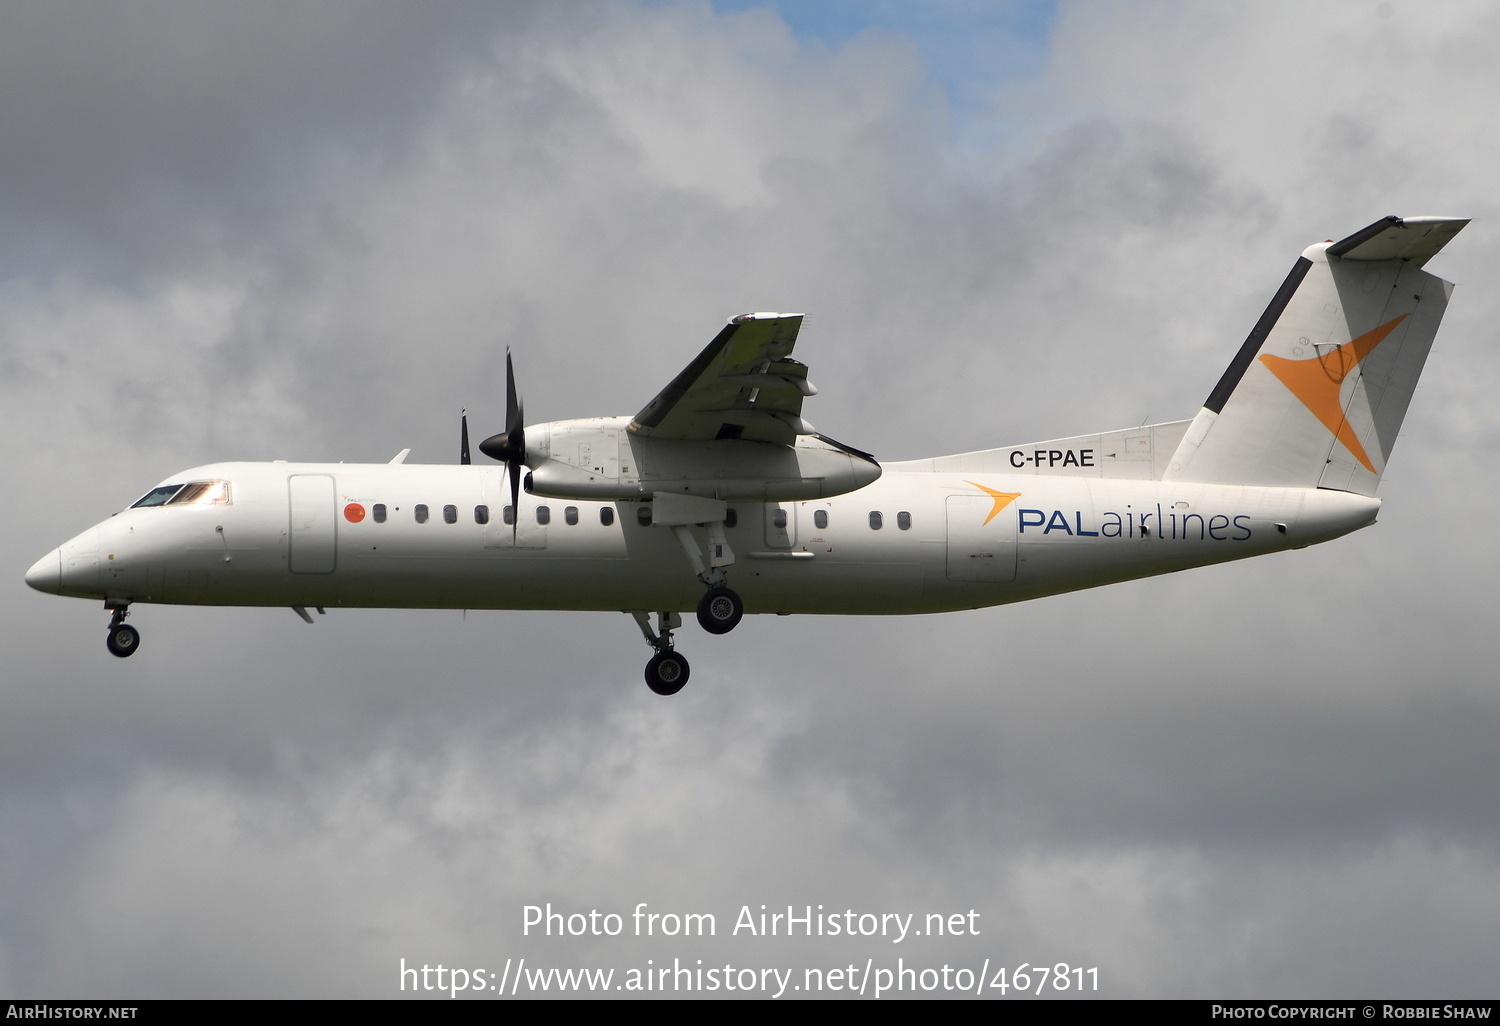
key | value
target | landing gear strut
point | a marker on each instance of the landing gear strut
(667, 671)
(122, 639)
(720, 609)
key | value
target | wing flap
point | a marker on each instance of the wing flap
(744, 384)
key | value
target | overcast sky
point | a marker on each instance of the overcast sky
(310, 230)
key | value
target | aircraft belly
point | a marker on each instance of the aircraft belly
(655, 580)
(844, 587)
(514, 581)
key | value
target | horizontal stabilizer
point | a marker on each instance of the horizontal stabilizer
(1413, 239)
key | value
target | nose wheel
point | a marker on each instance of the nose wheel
(667, 671)
(122, 639)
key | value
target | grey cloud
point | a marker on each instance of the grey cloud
(237, 240)
(136, 129)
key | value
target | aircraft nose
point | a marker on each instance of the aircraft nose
(46, 573)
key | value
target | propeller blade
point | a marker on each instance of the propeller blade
(515, 498)
(463, 437)
(509, 447)
(515, 418)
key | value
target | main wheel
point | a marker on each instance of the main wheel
(122, 640)
(666, 673)
(719, 611)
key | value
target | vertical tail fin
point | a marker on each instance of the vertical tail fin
(1317, 393)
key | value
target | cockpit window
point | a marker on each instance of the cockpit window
(157, 496)
(200, 493)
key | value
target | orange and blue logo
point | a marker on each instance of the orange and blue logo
(1145, 522)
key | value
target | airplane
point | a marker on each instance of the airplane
(720, 480)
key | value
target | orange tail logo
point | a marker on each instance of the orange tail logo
(1317, 381)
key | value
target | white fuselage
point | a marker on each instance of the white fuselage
(308, 535)
(719, 496)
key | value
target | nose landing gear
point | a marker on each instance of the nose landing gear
(667, 671)
(122, 639)
(719, 610)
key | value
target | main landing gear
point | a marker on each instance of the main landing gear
(666, 673)
(122, 639)
(720, 609)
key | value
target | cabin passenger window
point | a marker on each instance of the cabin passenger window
(643, 515)
(606, 515)
(420, 512)
(876, 520)
(481, 514)
(570, 514)
(731, 517)
(820, 519)
(544, 514)
(778, 519)
(903, 520)
(508, 515)
(378, 512)
(450, 514)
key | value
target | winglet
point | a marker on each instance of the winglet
(400, 457)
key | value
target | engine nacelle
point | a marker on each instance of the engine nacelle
(601, 460)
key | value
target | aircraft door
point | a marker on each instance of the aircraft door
(312, 539)
(531, 530)
(979, 551)
(496, 496)
(528, 534)
(781, 524)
